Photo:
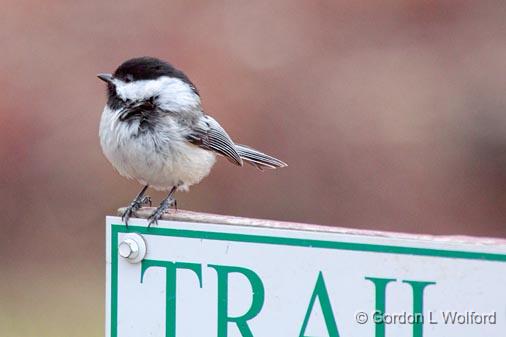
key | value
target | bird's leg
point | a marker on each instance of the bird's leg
(164, 205)
(139, 200)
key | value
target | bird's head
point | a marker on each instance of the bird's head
(148, 78)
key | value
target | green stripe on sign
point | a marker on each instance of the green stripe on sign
(273, 240)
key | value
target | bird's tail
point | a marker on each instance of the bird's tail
(258, 159)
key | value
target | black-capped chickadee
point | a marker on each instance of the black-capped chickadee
(153, 129)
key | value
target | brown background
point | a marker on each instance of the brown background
(390, 114)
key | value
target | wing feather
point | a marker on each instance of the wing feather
(208, 134)
(257, 158)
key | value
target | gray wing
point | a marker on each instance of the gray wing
(208, 134)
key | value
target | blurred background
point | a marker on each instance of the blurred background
(390, 114)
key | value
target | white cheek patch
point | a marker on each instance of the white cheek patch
(172, 93)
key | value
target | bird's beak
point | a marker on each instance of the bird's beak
(106, 77)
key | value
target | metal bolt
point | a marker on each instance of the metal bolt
(128, 249)
(132, 248)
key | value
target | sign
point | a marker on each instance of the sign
(268, 279)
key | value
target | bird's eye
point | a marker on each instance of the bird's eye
(129, 78)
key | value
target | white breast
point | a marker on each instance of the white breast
(160, 159)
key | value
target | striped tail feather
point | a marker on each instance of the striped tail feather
(258, 159)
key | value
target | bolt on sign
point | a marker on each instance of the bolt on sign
(254, 278)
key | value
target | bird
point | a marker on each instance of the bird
(153, 129)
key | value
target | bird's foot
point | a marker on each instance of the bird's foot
(157, 214)
(146, 201)
(134, 207)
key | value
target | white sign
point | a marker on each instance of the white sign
(212, 280)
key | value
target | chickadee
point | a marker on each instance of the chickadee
(153, 129)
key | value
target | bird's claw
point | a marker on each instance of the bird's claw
(146, 200)
(127, 214)
(157, 214)
(134, 207)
